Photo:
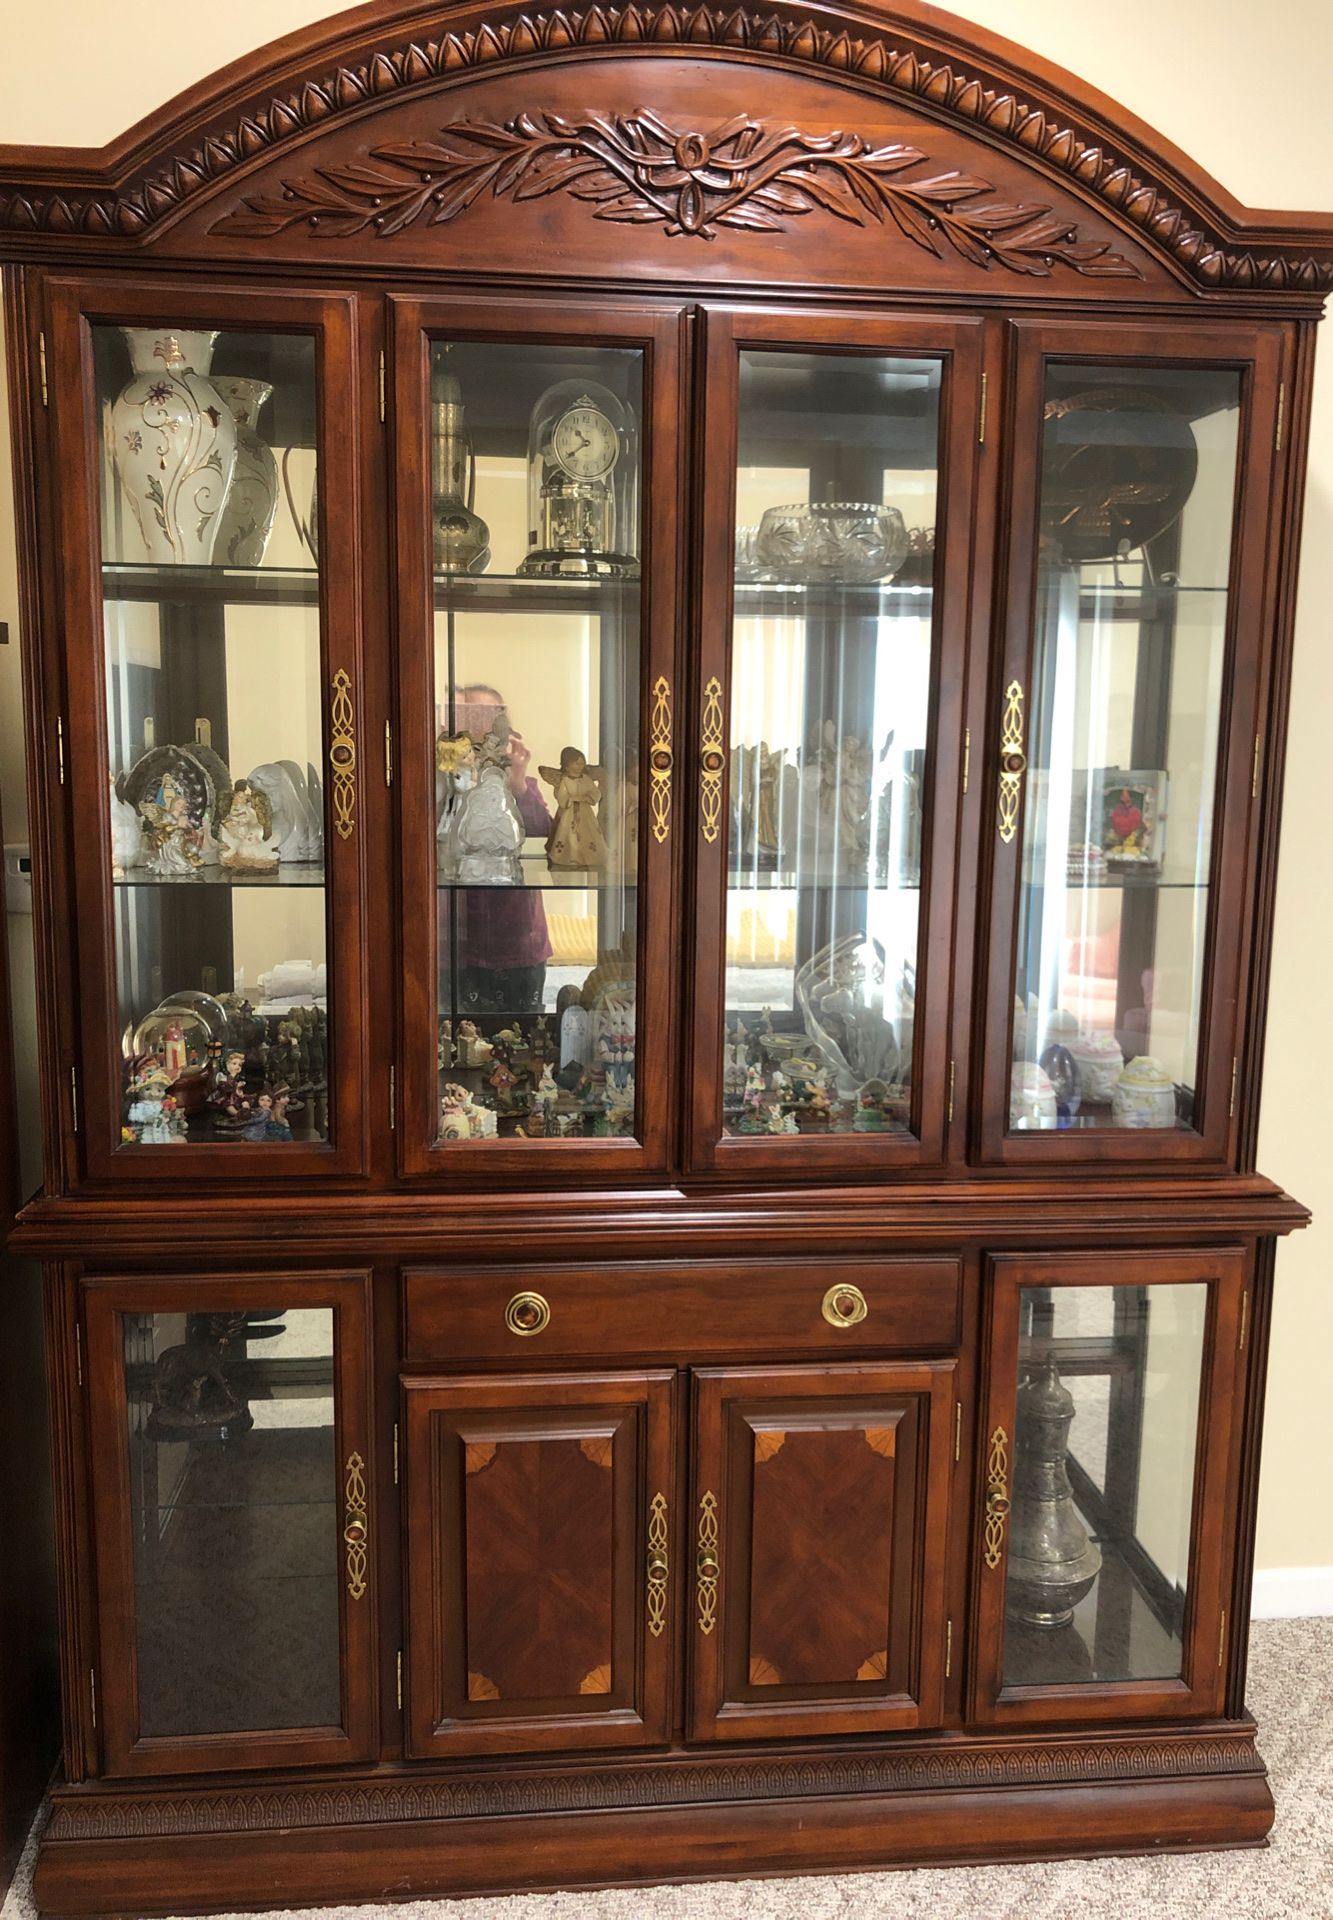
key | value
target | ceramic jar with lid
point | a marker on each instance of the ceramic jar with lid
(1145, 1095)
(1100, 1064)
(1032, 1101)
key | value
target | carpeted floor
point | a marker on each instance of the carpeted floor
(1291, 1694)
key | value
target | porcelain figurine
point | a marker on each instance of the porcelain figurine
(246, 830)
(153, 1117)
(174, 442)
(1100, 1063)
(455, 776)
(472, 1049)
(1145, 1095)
(462, 1119)
(576, 838)
(128, 828)
(252, 498)
(270, 1121)
(618, 815)
(175, 833)
(229, 1099)
(490, 827)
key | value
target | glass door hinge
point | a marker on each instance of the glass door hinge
(60, 747)
(1221, 1639)
(388, 754)
(78, 1353)
(957, 1429)
(395, 1453)
(400, 1679)
(1254, 777)
(92, 1692)
(948, 1648)
(981, 418)
(949, 1115)
(393, 1099)
(1231, 1104)
(382, 410)
(967, 755)
(1277, 436)
(1244, 1320)
(74, 1097)
(41, 367)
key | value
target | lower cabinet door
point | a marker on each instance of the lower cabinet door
(819, 1516)
(233, 1520)
(1110, 1452)
(538, 1547)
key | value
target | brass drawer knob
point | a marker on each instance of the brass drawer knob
(526, 1314)
(844, 1305)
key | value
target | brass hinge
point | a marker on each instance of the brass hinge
(78, 1352)
(41, 366)
(1254, 777)
(393, 1098)
(60, 747)
(1231, 1104)
(92, 1691)
(74, 1097)
(967, 755)
(400, 1679)
(381, 383)
(1244, 1320)
(948, 1648)
(981, 420)
(1281, 409)
(395, 1453)
(388, 754)
(949, 1115)
(1222, 1638)
(957, 1429)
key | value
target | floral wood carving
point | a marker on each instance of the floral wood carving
(637, 169)
(893, 62)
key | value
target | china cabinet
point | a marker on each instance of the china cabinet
(657, 653)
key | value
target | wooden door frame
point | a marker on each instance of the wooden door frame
(103, 1299)
(644, 1720)
(1258, 353)
(1200, 1689)
(714, 1523)
(657, 331)
(958, 341)
(74, 306)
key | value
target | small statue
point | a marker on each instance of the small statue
(191, 1390)
(501, 1080)
(576, 839)
(153, 1116)
(444, 1046)
(618, 814)
(462, 1119)
(270, 1116)
(545, 1093)
(175, 839)
(540, 1045)
(472, 1049)
(455, 777)
(490, 832)
(128, 828)
(284, 1065)
(232, 1106)
(246, 829)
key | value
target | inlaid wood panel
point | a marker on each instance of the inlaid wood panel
(820, 1504)
(536, 1535)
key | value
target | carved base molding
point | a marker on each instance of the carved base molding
(409, 1834)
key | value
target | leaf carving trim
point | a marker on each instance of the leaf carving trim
(638, 170)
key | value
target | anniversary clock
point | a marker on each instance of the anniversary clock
(582, 484)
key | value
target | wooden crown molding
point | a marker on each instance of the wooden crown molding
(954, 72)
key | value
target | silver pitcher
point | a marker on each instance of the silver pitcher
(1052, 1562)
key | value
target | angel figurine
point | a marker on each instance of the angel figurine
(576, 839)
(175, 838)
(490, 831)
(246, 831)
(455, 776)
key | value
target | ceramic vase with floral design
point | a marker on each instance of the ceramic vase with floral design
(175, 444)
(252, 499)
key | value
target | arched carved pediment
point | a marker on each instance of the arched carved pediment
(207, 150)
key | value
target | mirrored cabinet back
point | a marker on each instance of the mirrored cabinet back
(657, 660)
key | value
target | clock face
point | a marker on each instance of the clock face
(585, 443)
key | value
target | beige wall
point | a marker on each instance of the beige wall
(1244, 92)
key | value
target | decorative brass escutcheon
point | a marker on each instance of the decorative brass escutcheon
(356, 1525)
(712, 761)
(997, 1497)
(660, 759)
(526, 1314)
(342, 756)
(844, 1305)
(1013, 761)
(659, 1566)
(708, 1567)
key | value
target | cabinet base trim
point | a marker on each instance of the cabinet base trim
(423, 1858)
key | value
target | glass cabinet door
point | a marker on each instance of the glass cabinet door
(211, 737)
(232, 1503)
(1127, 750)
(537, 560)
(836, 541)
(1111, 1429)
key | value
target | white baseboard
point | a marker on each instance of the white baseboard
(1291, 1593)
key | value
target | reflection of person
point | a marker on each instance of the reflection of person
(502, 940)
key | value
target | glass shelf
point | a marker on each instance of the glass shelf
(219, 586)
(787, 880)
(290, 875)
(517, 593)
(805, 600)
(536, 873)
(1127, 882)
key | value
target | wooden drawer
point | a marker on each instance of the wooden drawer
(683, 1313)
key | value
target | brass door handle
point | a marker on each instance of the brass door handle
(844, 1305)
(526, 1314)
(707, 1565)
(356, 1525)
(712, 762)
(996, 1519)
(660, 759)
(342, 755)
(659, 1566)
(1013, 761)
